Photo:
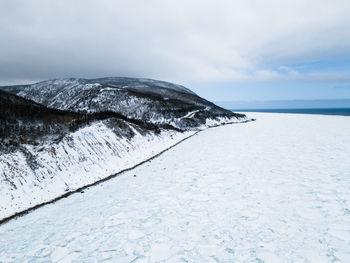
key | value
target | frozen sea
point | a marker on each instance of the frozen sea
(274, 190)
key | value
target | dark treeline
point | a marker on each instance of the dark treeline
(24, 121)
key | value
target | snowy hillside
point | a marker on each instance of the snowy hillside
(144, 99)
(61, 135)
(35, 174)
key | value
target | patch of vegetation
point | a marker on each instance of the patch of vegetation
(24, 121)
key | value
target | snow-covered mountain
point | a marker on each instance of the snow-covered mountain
(61, 135)
(144, 99)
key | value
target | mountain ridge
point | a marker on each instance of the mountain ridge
(144, 99)
(58, 136)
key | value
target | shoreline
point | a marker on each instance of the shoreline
(197, 200)
(78, 190)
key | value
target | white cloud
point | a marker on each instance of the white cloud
(183, 40)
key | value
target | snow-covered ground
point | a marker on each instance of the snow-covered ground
(274, 190)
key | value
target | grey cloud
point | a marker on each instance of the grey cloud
(183, 40)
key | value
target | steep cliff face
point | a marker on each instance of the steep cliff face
(58, 136)
(148, 100)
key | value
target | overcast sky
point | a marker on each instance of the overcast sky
(222, 49)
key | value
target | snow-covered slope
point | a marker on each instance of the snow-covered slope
(33, 175)
(46, 152)
(144, 99)
(61, 135)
